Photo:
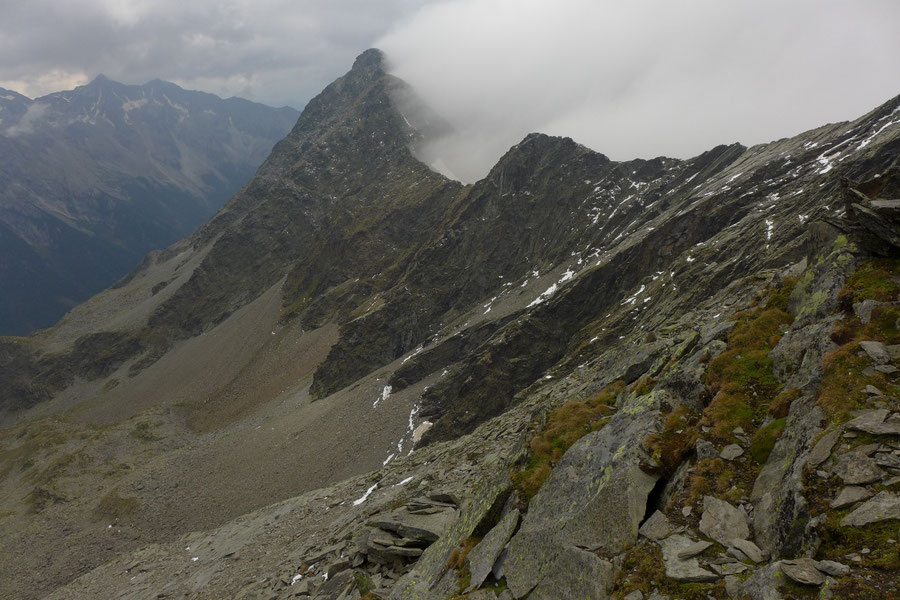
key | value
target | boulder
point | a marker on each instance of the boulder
(731, 452)
(894, 351)
(850, 495)
(761, 585)
(876, 351)
(416, 522)
(884, 506)
(863, 310)
(334, 587)
(704, 450)
(683, 569)
(596, 497)
(803, 570)
(431, 566)
(576, 574)
(722, 522)
(855, 468)
(781, 520)
(483, 556)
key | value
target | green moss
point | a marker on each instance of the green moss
(675, 441)
(643, 570)
(764, 440)
(873, 280)
(838, 541)
(742, 376)
(781, 404)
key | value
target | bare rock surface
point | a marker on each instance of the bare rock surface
(483, 556)
(683, 569)
(803, 570)
(850, 495)
(884, 506)
(722, 522)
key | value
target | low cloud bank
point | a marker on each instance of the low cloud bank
(641, 78)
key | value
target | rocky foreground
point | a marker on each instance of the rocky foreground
(574, 379)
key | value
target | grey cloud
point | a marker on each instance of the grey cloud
(626, 77)
(642, 78)
(274, 51)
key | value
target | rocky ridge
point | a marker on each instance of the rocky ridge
(655, 379)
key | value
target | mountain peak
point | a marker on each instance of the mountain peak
(100, 79)
(371, 59)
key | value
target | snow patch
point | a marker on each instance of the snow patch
(385, 394)
(544, 296)
(365, 496)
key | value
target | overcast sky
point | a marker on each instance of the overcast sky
(628, 78)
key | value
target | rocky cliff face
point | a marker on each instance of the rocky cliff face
(96, 177)
(576, 378)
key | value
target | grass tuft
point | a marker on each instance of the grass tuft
(565, 425)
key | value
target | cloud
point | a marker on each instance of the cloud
(25, 125)
(273, 51)
(642, 78)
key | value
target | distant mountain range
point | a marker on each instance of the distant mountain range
(94, 178)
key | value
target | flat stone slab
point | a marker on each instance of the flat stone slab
(425, 527)
(885, 506)
(832, 568)
(876, 351)
(891, 426)
(685, 570)
(855, 468)
(722, 522)
(869, 420)
(693, 550)
(576, 575)
(483, 556)
(803, 570)
(656, 527)
(850, 495)
(730, 568)
(750, 550)
(822, 450)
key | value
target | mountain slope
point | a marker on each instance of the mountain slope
(96, 177)
(353, 333)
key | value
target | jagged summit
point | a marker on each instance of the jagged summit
(372, 59)
(405, 365)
